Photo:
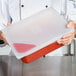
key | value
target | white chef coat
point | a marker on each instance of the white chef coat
(20, 9)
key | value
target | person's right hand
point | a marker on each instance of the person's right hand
(8, 24)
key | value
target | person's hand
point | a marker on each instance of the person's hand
(66, 39)
(8, 24)
(2, 36)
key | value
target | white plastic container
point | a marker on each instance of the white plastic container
(35, 32)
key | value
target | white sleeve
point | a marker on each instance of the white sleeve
(1, 19)
(2, 25)
(5, 11)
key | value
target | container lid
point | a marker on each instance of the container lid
(35, 32)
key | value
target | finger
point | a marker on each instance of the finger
(59, 41)
(65, 41)
(68, 35)
(68, 38)
(70, 24)
(8, 24)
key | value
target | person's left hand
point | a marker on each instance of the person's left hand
(66, 39)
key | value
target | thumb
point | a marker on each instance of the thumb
(70, 24)
(8, 24)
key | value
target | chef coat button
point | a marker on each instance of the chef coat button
(22, 5)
